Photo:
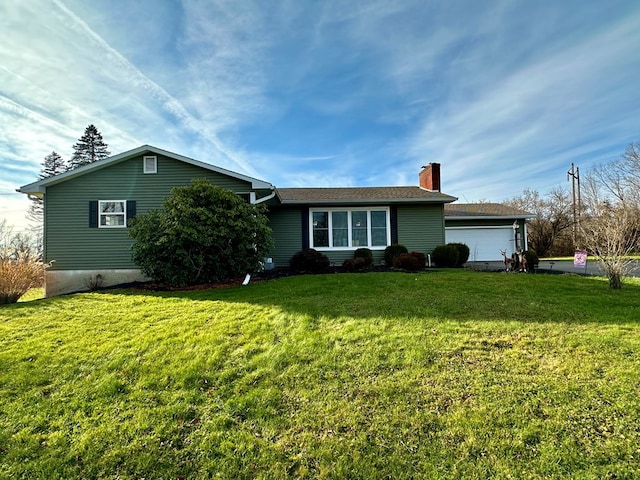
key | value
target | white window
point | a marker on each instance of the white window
(112, 213)
(345, 229)
(150, 164)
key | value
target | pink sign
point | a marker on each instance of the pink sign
(580, 259)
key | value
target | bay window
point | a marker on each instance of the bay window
(342, 228)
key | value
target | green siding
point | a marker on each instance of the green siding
(338, 257)
(286, 224)
(421, 227)
(72, 244)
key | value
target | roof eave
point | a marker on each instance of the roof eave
(487, 217)
(31, 189)
(369, 201)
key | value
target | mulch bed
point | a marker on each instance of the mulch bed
(236, 282)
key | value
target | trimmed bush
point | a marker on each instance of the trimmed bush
(355, 265)
(532, 259)
(408, 262)
(364, 254)
(309, 261)
(463, 253)
(392, 251)
(445, 256)
(421, 257)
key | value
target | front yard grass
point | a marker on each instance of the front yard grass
(451, 374)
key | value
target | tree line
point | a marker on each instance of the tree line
(89, 148)
(604, 220)
(21, 265)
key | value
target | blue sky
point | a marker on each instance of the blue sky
(504, 94)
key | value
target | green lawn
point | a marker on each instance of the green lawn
(450, 374)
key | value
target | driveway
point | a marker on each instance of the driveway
(556, 266)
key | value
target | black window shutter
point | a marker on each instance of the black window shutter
(93, 214)
(131, 210)
(305, 227)
(394, 224)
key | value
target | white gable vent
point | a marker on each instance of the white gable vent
(150, 164)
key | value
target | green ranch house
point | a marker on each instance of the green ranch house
(87, 211)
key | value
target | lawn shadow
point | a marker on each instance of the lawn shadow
(445, 294)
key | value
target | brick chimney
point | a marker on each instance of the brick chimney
(430, 177)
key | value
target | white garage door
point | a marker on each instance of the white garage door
(484, 243)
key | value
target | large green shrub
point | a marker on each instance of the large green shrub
(202, 234)
(445, 256)
(309, 261)
(392, 251)
(463, 253)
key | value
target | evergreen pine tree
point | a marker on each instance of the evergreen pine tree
(88, 149)
(53, 164)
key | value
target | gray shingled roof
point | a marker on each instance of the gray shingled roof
(361, 195)
(483, 210)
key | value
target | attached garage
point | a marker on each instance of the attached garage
(486, 228)
(484, 243)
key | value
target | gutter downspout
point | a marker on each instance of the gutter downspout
(267, 198)
(247, 278)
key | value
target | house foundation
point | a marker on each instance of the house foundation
(60, 282)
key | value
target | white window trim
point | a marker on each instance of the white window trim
(101, 213)
(146, 170)
(350, 247)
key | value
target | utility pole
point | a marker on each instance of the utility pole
(574, 173)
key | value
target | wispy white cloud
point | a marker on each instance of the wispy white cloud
(59, 75)
(129, 75)
(525, 120)
(93, 83)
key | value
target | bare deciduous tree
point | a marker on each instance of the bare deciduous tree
(617, 182)
(611, 225)
(611, 234)
(553, 219)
